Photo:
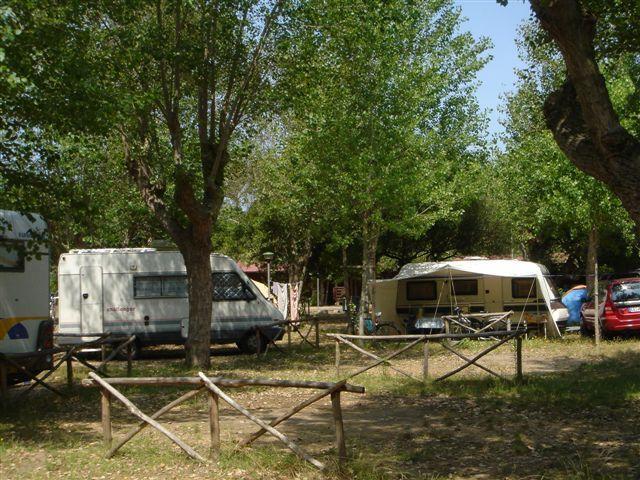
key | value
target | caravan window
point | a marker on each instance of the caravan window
(229, 286)
(11, 257)
(465, 287)
(174, 286)
(422, 290)
(523, 288)
(146, 287)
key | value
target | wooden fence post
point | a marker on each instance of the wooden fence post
(106, 417)
(214, 425)
(103, 357)
(425, 362)
(317, 326)
(519, 359)
(129, 364)
(341, 448)
(69, 371)
(338, 357)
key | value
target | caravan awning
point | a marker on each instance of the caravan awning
(495, 268)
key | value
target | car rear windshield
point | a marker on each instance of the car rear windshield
(625, 292)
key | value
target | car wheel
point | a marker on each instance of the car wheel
(583, 329)
(252, 343)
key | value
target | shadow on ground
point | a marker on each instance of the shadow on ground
(579, 423)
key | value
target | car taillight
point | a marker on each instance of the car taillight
(609, 307)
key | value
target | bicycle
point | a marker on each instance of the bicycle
(374, 327)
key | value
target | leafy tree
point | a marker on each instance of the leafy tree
(173, 81)
(386, 88)
(553, 207)
(580, 112)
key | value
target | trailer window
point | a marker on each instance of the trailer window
(422, 290)
(523, 288)
(229, 286)
(174, 286)
(465, 287)
(146, 287)
(11, 257)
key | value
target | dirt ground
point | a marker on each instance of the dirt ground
(575, 416)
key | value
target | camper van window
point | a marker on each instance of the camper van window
(11, 257)
(174, 286)
(523, 288)
(229, 286)
(145, 287)
(423, 290)
(465, 287)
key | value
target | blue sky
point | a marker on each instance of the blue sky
(485, 18)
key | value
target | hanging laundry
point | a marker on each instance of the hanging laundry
(296, 290)
(281, 292)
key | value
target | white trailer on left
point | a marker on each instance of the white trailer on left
(25, 326)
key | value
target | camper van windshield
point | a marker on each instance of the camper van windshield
(11, 257)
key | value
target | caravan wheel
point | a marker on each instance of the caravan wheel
(251, 343)
(136, 349)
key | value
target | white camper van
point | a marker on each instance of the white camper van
(144, 292)
(426, 291)
(25, 326)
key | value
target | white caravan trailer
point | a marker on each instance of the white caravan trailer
(25, 326)
(144, 292)
(431, 290)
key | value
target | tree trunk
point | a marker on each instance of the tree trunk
(197, 259)
(580, 113)
(347, 289)
(592, 257)
(370, 235)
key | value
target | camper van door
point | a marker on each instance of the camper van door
(91, 299)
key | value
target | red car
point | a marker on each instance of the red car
(619, 308)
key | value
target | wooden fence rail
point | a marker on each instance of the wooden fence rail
(62, 354)
(502, 337)
(212, 385)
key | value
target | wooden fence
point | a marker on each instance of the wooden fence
(213, 386)
(19, 362)
(502, 337)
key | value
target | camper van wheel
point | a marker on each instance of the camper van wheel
(251, 343)
(136, 348)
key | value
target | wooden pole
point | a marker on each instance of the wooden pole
(375, 357)
(103, 357)
(136, 411)
(473, 360)
(289, 335)
(220, 381)
(519, 359)
(106, 417)
(425, 362)
(69, 371)
(337, 357)
(341, 448)
(129, 359)
(138, 428)
(290, 413)
(596, 321)
(317, 327)
(468, 360)
(214, 425)
(385, 359)
(280, 436)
